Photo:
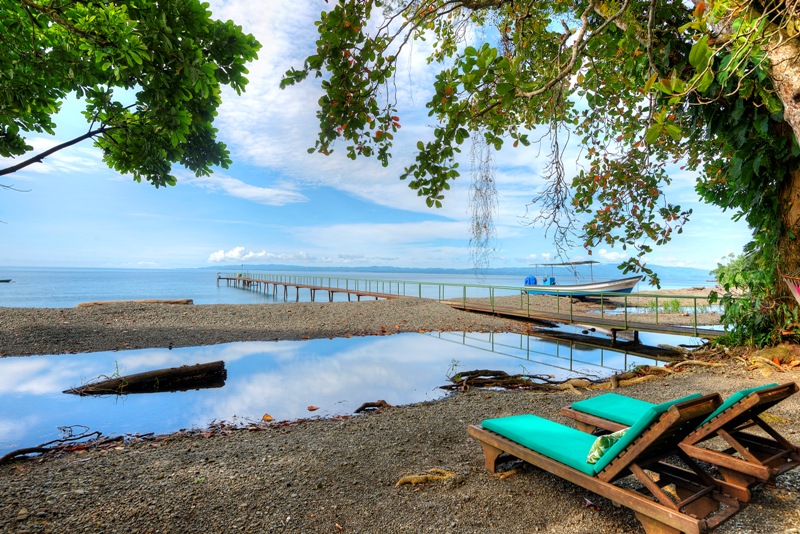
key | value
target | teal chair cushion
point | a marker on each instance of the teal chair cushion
(733, 399)
(566, 444)
(554, 440)
(644, 422)
(618, 408)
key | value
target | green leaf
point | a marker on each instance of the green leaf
(504, 88)
(653, 133)
(673, 131)
(649, 84)
(699, 55)
(705, 81)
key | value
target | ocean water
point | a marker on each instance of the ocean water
(67, 287)
(35, 287)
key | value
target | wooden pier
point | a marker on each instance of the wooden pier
(612, 325)
(270, 287)
(456, 296)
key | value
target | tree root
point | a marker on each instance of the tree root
(62, 444)
(484, 378)
(697, 362)
(759, 362)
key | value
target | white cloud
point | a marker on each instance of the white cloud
(273, 128)
(348, 237)
(238, 255)
(612, 257)
(239, 189)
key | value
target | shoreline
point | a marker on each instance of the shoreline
(127, 325)
(337, 474)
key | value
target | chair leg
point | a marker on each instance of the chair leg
(654, 526)
(585, 427)
(702, 507)
(490, 453)
(737, 479)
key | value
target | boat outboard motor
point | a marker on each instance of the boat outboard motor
(530, 280)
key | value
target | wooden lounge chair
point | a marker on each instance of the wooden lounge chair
(747, 459)
(695, 503)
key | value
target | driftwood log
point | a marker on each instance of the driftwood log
(198, 376)
(143, 301)
(485, 378)
(369, 406)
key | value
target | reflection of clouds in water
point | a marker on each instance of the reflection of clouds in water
(40, 375)
(12, 429)
(279, 378)
(148, 359)
(398, 369)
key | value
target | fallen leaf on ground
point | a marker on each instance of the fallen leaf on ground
(505, 474)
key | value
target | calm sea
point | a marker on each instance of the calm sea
(33, 287)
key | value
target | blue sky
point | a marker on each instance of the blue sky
(279, 204)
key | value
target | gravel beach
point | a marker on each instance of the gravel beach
(334, 475)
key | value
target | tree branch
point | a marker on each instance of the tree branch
(577, 48)
(39, 157)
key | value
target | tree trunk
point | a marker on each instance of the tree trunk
(783, 53)
(789, 240)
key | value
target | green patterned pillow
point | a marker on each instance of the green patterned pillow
(602, 444)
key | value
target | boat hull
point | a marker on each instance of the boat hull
(622, 285)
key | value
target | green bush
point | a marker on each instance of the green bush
(753, 311)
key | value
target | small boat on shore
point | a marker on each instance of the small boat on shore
(621, 285)
(548, 285)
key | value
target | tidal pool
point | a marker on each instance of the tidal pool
(282, 379)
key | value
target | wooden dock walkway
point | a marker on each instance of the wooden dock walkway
(613, 325)
(263, 286)
(377, 289)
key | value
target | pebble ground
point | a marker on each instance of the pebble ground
(335, 475)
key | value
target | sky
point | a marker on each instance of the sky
(279, 204)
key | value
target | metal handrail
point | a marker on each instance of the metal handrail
(456, 291)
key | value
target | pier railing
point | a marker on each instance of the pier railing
(689, 312)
